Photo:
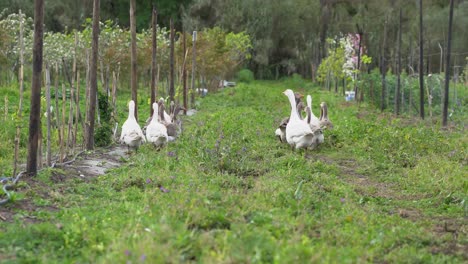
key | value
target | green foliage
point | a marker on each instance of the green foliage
(221, 53)
(332, 66)
(103, 133)
(245, 75)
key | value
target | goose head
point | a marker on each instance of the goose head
(161, 111)
(309, 101)
(131, 109)
(155, 111)
(176, 111)
(292, 100)
(298, 97)
(171, 108)
(300, 107)
(309, 114)
(326, 123)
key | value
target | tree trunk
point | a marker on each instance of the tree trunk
(441, 58)
(153, 58)
(35, 108)
(49, 113)
(194, 40)
(184, 73)
(447, 67)
(21, 84)
(421, 64)
(57, 112)
(383, 68)
(77, 106)
(114, 96)
(62, 129)
(92, 79)
(70, 121)
(397, 93)
(171, 72)
(360, 34)
(134, 56)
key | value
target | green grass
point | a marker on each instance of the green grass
(381, 189)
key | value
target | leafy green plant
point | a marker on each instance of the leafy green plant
(103, 133)
(245, 75)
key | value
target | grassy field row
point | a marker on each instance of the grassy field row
(381, 189)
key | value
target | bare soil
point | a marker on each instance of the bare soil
(85, 166)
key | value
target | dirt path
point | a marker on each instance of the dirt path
(454, 229)
(86, 166)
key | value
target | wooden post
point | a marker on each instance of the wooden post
(21, 84)
(421, 64)
(133, 48)
(57, 111)
(49, 113)
(441, 58)
(114, 95)
(194, 60)
(93, 82)
(384, 70)
(62, 130)
(77, 110)
(35, 106)
(447, 68)
(154, 23)
(171, 72)
(397, 93)
(184, 72)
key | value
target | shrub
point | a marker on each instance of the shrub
(245, 75)
(103, 133)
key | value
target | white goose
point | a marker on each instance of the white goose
(298, 132)
(318, 133)
(167, 117)
(313, 119)
(131, 135)
(314, 124)
(171, 127)
(325, 123)
(156, 132)
(281, 130)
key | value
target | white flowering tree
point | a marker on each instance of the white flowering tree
(9, 44)
(342, 61)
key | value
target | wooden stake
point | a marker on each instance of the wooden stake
(93, 82)
(62, 130)
(57, 111)
(49, 113)
(184, 73)
(21, 84)
(171, 64)
(35, 105)
(153, 58)
(194, 56)
(134, 82)
(77, 110)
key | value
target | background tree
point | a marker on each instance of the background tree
(447, 67)
(133, 49)
(35, 109)
(93, 79)
(421, 60)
